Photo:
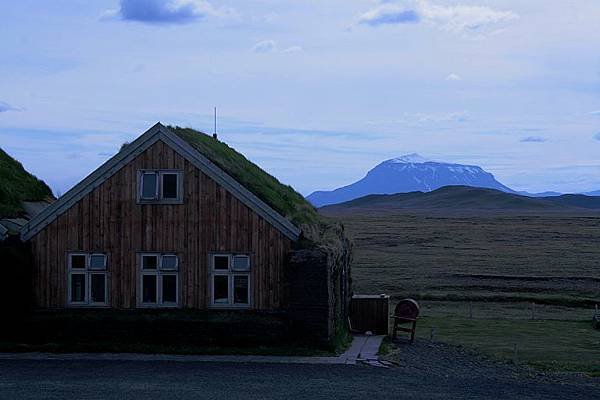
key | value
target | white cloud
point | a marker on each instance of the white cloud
(412, 119)
(458, 18)
(389, 14)
(265, 46)
(464, 18)
(270, 46)
(454, 77)
(594, 112)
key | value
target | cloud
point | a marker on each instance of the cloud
(266, 46)
(453, 77)
(164, 11)
(594, 112)
(389, 14)
(270, 46)
(4, 107)
(448, 17)
(534, 139)
(597, 136)
(464, 18)
(419, 119)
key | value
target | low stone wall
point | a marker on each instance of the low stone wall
(178, 328)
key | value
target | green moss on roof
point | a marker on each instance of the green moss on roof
(282, 198)
(18, 185)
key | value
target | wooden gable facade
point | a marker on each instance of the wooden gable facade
(103, 225)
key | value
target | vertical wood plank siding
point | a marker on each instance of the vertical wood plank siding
(108, 220)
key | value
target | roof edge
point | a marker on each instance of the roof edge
(148, 138)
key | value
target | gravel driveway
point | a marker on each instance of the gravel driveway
(54, 379)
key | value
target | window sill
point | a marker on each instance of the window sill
(230, 306)
(85, 305)
(153, 306)
(144, 202)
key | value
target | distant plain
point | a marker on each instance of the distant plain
(494, 281)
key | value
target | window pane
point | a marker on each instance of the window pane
(78, 261)
(169, 262)
(98, 261)
(148, 186)
(98, 288)
(169, 186)
(78, 288)
(240, 289)
(169, 288)
(150, 262)
(221, 262)
(149, 289)
(220, 289)
(241, 263)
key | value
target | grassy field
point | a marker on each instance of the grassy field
(546, 344)
(490, 282)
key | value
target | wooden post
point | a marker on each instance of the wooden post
(515, 354)
(432, 334)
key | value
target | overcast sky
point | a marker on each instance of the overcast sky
(315, 91)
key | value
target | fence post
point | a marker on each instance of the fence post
(515, 354)
(432, 334)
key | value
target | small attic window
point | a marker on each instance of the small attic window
(169, 185)
(160, 186)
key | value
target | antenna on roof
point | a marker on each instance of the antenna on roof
(215, 131)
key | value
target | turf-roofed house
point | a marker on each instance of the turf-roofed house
(179, 220)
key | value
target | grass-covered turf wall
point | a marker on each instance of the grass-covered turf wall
(282, 198)
(17, 185)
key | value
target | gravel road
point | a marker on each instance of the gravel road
(54, 379)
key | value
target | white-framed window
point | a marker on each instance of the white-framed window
(230, 280)
(160, 186)
(87, 279)
(159, 280)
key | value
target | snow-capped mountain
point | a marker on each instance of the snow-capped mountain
(409, 173)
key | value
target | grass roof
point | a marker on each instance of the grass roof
(18, 185)
(282, 198)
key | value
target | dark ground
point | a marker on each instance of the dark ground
(425, 372)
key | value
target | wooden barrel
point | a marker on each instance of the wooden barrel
(407, 308)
